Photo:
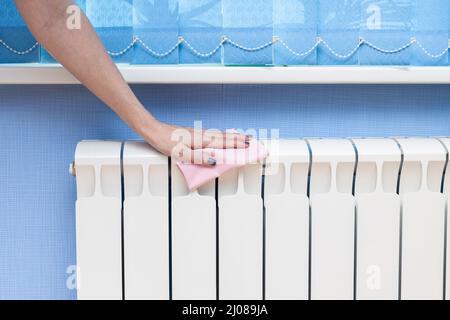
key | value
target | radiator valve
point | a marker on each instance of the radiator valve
(72, 170)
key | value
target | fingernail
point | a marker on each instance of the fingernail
(212, 161)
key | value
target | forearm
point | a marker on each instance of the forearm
(81, 52)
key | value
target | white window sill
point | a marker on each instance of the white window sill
(154, 74)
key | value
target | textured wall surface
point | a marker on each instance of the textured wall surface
(40, 126)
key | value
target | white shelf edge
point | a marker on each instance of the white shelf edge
(56, 74)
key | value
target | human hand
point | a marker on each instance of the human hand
(187, 144)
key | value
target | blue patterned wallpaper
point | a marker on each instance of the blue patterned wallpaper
(41, 125)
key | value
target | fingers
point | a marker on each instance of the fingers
(236, 140)
(220, 140)
(200, 157)
(214, 139)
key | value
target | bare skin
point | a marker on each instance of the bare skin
(81, 52)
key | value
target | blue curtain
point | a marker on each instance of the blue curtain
(386, 25)
(254, 32)
(250, 24)
(295, 23)
(430, 27)
(156, 25)
(200, 23)
(16, 42)
(338, 26)
(113, 20)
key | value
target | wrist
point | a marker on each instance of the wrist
(147, 127)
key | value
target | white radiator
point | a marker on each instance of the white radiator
(323, 219)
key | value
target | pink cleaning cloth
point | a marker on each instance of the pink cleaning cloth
(227, 159)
